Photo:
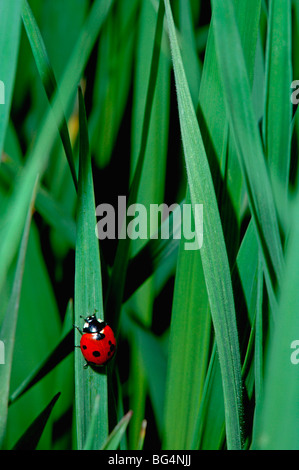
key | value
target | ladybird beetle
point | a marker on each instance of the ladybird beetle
(97, 342)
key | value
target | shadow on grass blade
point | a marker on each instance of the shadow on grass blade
(32, 435)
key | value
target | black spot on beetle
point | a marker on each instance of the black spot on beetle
(96, 353)
(84, 347)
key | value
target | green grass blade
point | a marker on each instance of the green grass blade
(189, 53)
(244, 127)
(142, 435)
(48, 78)
(116, 435)
(210, 422)
(62, 350)
(50, 209)
(276, 420)
(278, 106)
(213, 251)
(31, 437)
(213, 123)
(118, 275)
(155, 253)
(88, 295)
(8, 329)
(10, 15)
(191, 309)
(16, 208)
(152, 181)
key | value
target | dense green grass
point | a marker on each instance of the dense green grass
(174, 101)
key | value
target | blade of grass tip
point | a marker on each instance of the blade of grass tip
(213, 251)
(88, 294)
(118, 275)
(142, 435)
(244, 127)
(116, 435)
(9, 324)
(48, 79)
(16, 208)
(10, 27)
(32, 435)
(278, 106)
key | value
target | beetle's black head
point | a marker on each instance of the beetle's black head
(93, 325)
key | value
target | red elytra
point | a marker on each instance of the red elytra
(97, 342)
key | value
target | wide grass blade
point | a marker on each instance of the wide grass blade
(276, 420)
(48, 78)
(29, 440)
(61, 350)
(10, 26)
(278, 106)
(118, 275)
(88, 296)
(245, 131)
(213, 252)
(17, 205)
(190, 332)
(8, 329)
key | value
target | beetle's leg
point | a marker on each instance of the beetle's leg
(79, 329)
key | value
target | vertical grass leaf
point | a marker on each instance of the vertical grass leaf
(118, 275)
(276, 424)
(31, 437)
(48, 79)
(278, 107)
(244, 127)
(10, 26)
(88, 294)
(9, 324)
(16, 208)
(213, 252)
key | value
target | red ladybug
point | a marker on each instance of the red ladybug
(97, 342)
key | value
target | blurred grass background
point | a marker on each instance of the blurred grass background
(184, 101)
